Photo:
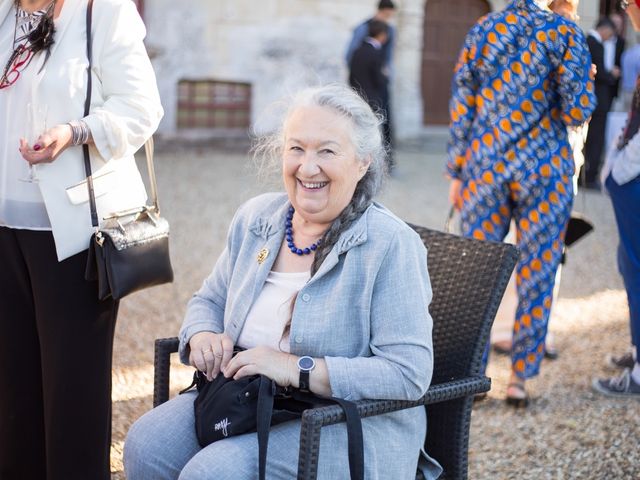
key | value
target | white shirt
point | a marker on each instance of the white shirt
(610, 53)
(373, 42)
(21, 203)
(271, 311)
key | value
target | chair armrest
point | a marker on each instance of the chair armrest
(441, 392)
(316, 418)
(164, 347)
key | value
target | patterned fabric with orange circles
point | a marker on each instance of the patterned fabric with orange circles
(541, 212)
(522, 77)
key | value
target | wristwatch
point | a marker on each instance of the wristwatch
(305, 365)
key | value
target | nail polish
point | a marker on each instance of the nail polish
(37, 147)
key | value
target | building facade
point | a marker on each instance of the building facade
(221, 65)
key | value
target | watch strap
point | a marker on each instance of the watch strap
(304, 380)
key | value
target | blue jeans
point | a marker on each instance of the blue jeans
(162, 445)
(626, 205)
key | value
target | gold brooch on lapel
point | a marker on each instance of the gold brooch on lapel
(262, 255)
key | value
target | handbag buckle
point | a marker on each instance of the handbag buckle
(99, 238)
(151, 215)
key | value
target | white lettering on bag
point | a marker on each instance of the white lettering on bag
(222, 425)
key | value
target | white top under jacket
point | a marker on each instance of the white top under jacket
(125, 111)
(21, 204)
(271, 311)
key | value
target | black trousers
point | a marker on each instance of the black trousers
(56, 342)
(594, 145)
(387, 130)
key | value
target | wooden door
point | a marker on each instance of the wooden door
(446, 23)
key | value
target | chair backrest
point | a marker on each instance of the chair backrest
(468, 278)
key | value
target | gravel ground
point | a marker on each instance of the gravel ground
(567, 433)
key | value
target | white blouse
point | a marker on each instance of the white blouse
(21, 203)
(272, 311)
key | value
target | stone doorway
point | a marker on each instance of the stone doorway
(446, 22)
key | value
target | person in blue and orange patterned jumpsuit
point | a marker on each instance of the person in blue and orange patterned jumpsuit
(523, 75)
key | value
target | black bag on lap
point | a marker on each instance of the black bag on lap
(226, 407)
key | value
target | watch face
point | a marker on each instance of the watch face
(306, 363)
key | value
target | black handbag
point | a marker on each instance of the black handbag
(577, 227)
(130, 250)
(226, 407)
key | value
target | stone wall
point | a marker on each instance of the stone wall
(276, 45)
(280, 46)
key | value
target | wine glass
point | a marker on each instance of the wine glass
(35, 125)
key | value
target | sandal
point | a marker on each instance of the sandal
(501, 348)
(479, 397)
(519, 401)
(551, 353)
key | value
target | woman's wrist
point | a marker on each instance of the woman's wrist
(293, 372)
(80, 133)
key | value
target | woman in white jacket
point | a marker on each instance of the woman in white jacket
(55, 336)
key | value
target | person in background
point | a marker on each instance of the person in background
(366, 74)
(502, 330)
(621, 177)
(630, 73)
(509, 157)
(385, 13)
(56, 337)
(319, 271)
(607, 75)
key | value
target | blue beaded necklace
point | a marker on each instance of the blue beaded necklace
(288, 224)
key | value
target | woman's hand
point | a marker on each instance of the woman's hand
(278, 366)
(48, 146)
(455, 197)
(210, 352)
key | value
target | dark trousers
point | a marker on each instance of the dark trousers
(594, 146)
(387, 130)
(626, 206)
(56, 341)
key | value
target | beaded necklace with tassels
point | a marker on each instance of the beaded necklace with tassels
(33, 33)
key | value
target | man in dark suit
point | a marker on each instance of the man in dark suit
(618, 45)
(605, 82)
(367, 75)
(385, 13)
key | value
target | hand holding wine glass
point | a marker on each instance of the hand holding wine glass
(42, 145)
(35, 125)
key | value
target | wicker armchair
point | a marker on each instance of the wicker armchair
(468, 278)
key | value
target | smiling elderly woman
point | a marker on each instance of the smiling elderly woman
(320, 271)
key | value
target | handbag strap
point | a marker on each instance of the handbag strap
(148, 146)
(263, 422)
(87, 105)
(354, 429)
(447, 223)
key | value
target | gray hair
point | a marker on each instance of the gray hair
(368, 142)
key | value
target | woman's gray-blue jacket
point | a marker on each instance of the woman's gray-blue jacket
(365, 312)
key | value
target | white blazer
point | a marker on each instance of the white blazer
(125, 111)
